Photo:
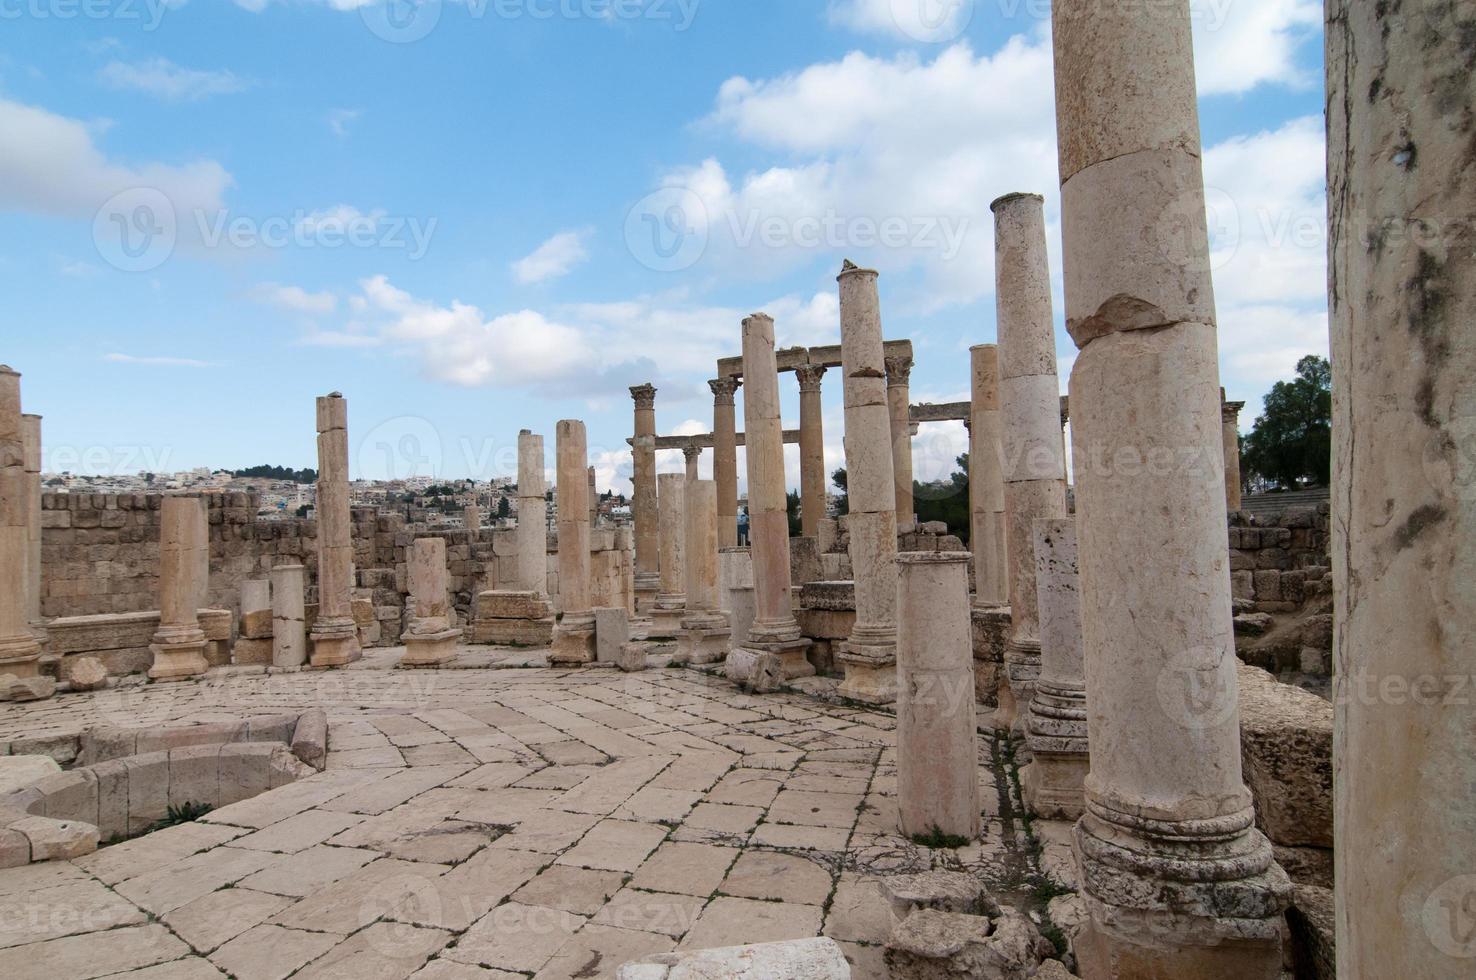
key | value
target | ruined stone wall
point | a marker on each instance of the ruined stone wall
(1280, 561)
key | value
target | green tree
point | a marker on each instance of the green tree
(946, 500)
(843, 502)
(792, 507)
(504, 509)
(1291, 444)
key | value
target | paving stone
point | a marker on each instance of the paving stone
(219, 917)
(384, 951)
(795, 837)
(92, 955)
(655, 805)
(597, 951)
(548, 831)
(658, 912)
(299, 832)
(440, 969)
(506, 807)
(615, 845)
(394, 789)
(189, 968)
(724, 817)
(689, 869)
(740, 921)
(75, 906)
(180, 883)
(448, 842)
(777, 876)
(516, 937)
(271, 952)
(467, 892)
(576, 890)
(815, 809)
(359, 898)
(747, 787)
(309, 870)
(859, 912)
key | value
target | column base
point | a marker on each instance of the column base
(666, 618)
(1022, 670)
(513, 632)
(1103, 957)
(704, 639)
(335, 645)
(20, 655)
(791, 654)
(990, 630)
(1052, 783)
(647, 587)
(430, 649)
(572, 646)
(178, 661)
(871, 673)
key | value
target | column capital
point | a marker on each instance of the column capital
(809, 376)
(723, 390)
(644, 395)
(899, 370)
(692, 453)
(1230, 411)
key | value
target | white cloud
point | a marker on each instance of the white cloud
(339, 120)
(554, 258)
(918, 20)
(165, 80)
(1241, 44)
(295, 298)
(338, 221)
(158, 361)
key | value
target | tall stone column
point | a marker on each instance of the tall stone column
(937, 737)
(430, 640)
(986, 481)
(573, 639)
(774, 629)
(1230, 430)
(532, 529)
(705, 635)
(899, 407)
(184, 532)
(725, 458)
(691, 456)
(335, 637)
(1177, 880)
(19, 648)
(812, 449)
(671, 600)
(31, 425)
(870, 654)
(1030, 395)
(643, 504)
(1402, 237)
(1056, 725)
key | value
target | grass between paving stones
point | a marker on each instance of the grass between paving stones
(184, 813)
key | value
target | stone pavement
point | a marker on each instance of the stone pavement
(499, 823)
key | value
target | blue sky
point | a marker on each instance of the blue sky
(212, 211)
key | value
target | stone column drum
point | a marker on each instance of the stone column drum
(986, 482)
(574, 636)
(643, 506)
(870, 654)
(1030, 399)
(705, 635)
(1402, 236)
(31, 425)
(430, 637)
(899, 411)
(289, 618)
(1230, 422)
(184, 532)
(20, 650)
(471, 518)
(774, 629)
(666, 615)
(532, 528)
(725, 458)
(1056, 725)
(937, 741)
(1177, 880)
(335, 637)
(593, 498)
(812, 449)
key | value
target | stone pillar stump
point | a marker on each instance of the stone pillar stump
(574, 636)
(20, 651)
(430, 638)
(184, 532)
(671, 600)
(705, 635)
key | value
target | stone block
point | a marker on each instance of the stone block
(944, 891)
(86, 673)
(70, 795)
(631, 657)
(838, 596)
(1243, 584)
(826, 624)
(256, 625)
(252, 651)
(15, 848)
(112, 798)
(148, 789)
(819, 958)
(57, 840)
(194, 776)
(1268, 585)
(754, 670)
(934, 945)
(245, 770)
(1312, 923)
(1286, 755)
(612, 633)
(20, 771)
(215, 623)
(310, 738)
(26, 688)
(511, 605)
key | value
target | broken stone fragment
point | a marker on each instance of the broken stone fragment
(934, 945)
(57, 840)
(27, 688)
(86, 674)
(755, 670)
(945, 891)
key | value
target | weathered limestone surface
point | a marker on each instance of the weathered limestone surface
(812, 449)
(671, 600)
(431, 636)
(1230, 433)
(899, 405)
(774, 629)
(937, 742)
(1056, 724)
(179, 644)
(725, 457)
(986, 481)
(19, 648)
(573, 640)
(334, 633)
(1177, 880)
(1029, 391)
(31, 427)
(870, 656)
(1286, 738)
(532, 529)
(798, 959)
(705, 635)
(612, 633)
(289, 616)
(1402, 274)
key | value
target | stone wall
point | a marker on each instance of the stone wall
(1276, 560)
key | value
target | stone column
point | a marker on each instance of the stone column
(705, 634)
(1402, 303)
(1230, 430)
(870, 654)
(812, 449)
(1030, 396)
(643, 506)
(184, 532)
(532, 529)
(1056, 724)
(430, 638)
(594, 499)
(666, 615)
(31, 425)
(573, 640)
(471, 518)
(19, 648)
(899, 407)
(937, 741)
(691, 455)
(725, 458)
(774, 629)
(986, 482)
(335, 638)
(289, 619)
(1177, 880)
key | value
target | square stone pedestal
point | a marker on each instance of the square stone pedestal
(703, 645)
(1104, 957)
(572, 646)
(869, 679)
(666, 621)
(1052, 783)
(645, 594)
(178, 661)
(430, 649)
(791, 654)
(515, 619)
(336, 649)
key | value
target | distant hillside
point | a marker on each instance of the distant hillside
(279, 473)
